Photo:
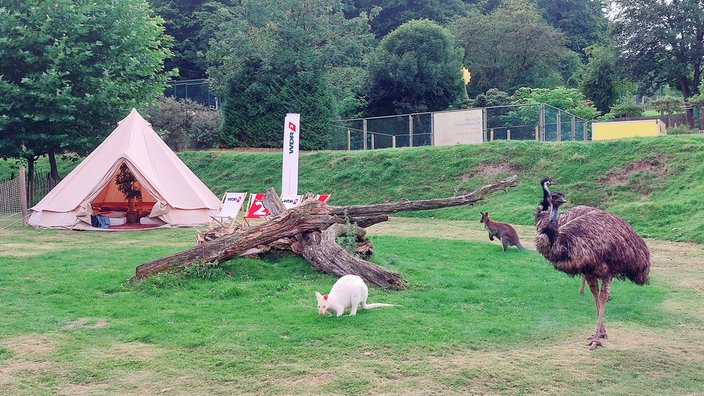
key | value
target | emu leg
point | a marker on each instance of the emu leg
(594, 288)
(603, 299)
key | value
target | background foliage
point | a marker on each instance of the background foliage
(71, 70)
(416, 68)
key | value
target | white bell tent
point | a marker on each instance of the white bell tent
(171, 193)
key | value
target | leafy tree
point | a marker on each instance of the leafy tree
(570, 100)
(184, 123)
(600, 77)
(510, 47)
(583, 22)
(267, 68)
(191, 25)
(70, 70)
(627, 109)
(668, 105)
(390, 14)
(492, 97)
(662, 43)
(415, 68)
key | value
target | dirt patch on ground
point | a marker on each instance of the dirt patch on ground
(29, 344)
(29, 356)
(654, 166)
(87, 323)
(490, 171)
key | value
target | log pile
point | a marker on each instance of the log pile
(311, 229)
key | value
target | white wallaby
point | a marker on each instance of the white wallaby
(348, 291)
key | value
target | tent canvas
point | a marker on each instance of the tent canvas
(171, 193)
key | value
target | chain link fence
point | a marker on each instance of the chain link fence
(11, 196)
(540, 122)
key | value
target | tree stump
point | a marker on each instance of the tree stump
(311, 230)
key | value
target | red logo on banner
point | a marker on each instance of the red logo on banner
(292, 126)
(256, 207)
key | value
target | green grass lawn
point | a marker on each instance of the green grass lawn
(473, 320)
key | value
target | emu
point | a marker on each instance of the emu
(542, 212)
(599, 245)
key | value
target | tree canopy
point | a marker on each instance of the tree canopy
(510, 47)
(70, 70)
(415, 68)
(600, 77)
(662, 42)
(390, 14)
(275, 57)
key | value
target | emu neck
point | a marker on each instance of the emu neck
(545, 203)
(554, 215)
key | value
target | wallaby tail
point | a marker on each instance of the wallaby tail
(518, 245)
(375, 305)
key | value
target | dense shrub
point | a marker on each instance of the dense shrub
(184, 124)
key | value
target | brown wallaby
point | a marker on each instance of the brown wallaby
(505, 232)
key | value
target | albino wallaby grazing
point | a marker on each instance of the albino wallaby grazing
(505, 232)
(349, 291)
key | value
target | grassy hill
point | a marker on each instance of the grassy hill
(657, 184)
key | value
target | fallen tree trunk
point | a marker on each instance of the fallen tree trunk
(315, 227)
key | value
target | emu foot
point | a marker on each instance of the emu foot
(597, 337)
(594, 340)
(593, 344)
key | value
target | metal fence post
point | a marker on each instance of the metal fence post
(573, 133)
(364, 133)
(541, 122)
(23, 195)
(349, 140)
(432, 129)
(558, 122)
(410, 130)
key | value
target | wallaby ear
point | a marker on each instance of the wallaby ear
(318, 295)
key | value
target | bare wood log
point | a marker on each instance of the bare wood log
(427, 204)
(322, 252)
(288, 224)
(307, 223)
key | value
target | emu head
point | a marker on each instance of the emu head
(557, 199)
(545, 184)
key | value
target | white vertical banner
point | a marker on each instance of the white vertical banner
(289, 174)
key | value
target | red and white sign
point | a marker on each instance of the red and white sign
(289, 172)
(291, 202)
(256, 208)
(323, 197)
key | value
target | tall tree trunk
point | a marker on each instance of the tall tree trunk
(54, 171)
(30, 180)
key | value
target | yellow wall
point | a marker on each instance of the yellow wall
(624, 129)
